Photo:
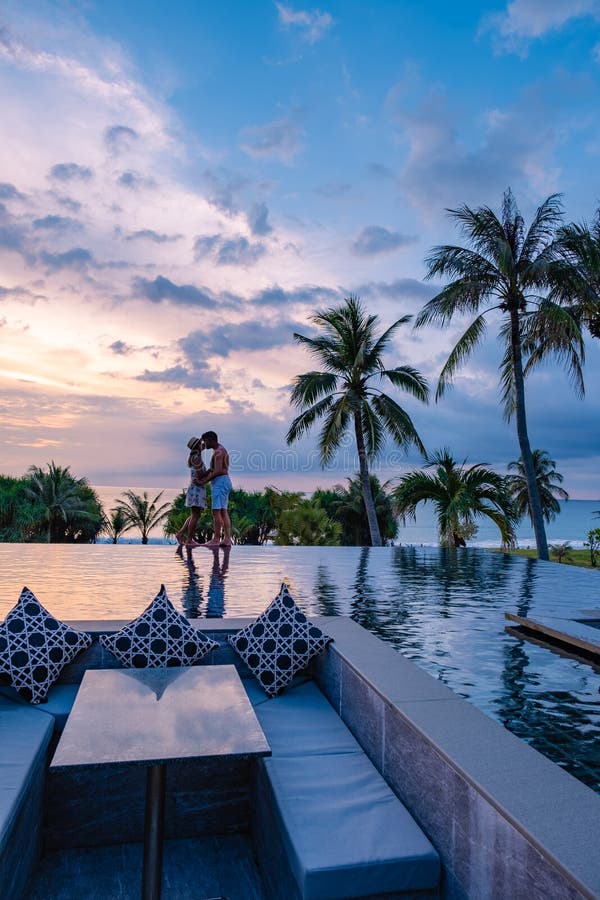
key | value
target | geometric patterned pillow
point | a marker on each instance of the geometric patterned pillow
(35, 647)
(280, 643)
(158, 638)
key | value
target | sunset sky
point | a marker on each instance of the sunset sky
(182, 183)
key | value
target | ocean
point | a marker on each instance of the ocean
(575, 520)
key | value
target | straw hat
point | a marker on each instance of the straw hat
(194, 443)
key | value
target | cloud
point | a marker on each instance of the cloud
(280, 140)
(258, 219)
(224, 188)
(67, 202)
(120, 138)
(525, 20)
(9, 192)
(71, 172)
(401, 288)
(148, 234)
(375, 239)
(200, 377)
(513, 146)
(252, 334)
(134, 181)
(56, 223)
(121, 348)
(16, 292)
(236, 251)
(162, 288)
(77, 258)
(314, 295)
(311, 24)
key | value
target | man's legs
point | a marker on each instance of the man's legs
(226, 527)
(218, 525)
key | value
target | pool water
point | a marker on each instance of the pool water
(443, 609)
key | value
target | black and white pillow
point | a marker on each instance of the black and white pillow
(158, 638)
(35, 647)
(280, 643)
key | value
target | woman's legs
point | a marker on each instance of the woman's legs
(191, 528)
(186, 533)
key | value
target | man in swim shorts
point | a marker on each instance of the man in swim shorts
(220, 484)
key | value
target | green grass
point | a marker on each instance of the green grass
(579, 558)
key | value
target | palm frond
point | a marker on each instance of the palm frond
(551, 331)
(408, 379)
(337, 419)
(543, 228)
(460, 353)
(306, 419)
(374, 355)
(311, 386)
(397, 421)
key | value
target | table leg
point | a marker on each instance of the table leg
(153, 831)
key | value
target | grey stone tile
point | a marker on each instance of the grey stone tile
(327, 672)
(386, 670)
(483, 854)
(204, 867)
(362, 709)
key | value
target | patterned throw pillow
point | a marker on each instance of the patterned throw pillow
(160, 637)
(35, 647)
(280, 643)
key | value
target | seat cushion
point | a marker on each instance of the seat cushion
(35, 647)
(345, 831)
(160, 637)
(25, 733)
(301, 722)
(59, 703)
(279, 644)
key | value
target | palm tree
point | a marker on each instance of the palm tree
(61, 498)
(504, 270)
(343, 395)
(117, 524)
(460, 495)
(346, 505)
(576, 275)
(548, 482)
(142, 513)
(307, 524)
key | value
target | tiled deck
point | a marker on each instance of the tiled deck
(193, 868)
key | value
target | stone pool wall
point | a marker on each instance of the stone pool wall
(506, 821)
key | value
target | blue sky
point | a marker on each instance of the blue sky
(183, 183)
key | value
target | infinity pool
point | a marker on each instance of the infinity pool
(442, 609)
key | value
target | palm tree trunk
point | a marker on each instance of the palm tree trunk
(366, 483)
(533, 493)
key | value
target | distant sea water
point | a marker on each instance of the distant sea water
(575, 520)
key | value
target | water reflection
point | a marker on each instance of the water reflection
(215, 607)
(326, 592)
(191, 598)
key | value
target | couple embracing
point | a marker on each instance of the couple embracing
(218, 476)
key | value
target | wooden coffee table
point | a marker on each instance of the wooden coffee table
(151, 717)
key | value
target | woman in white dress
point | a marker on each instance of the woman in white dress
(195, 498)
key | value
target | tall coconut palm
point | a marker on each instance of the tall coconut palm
(345, 395)
(505, 270)
(576, 275)
(60, 496)
(460, 494)
(143, 513)
(548, 482)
